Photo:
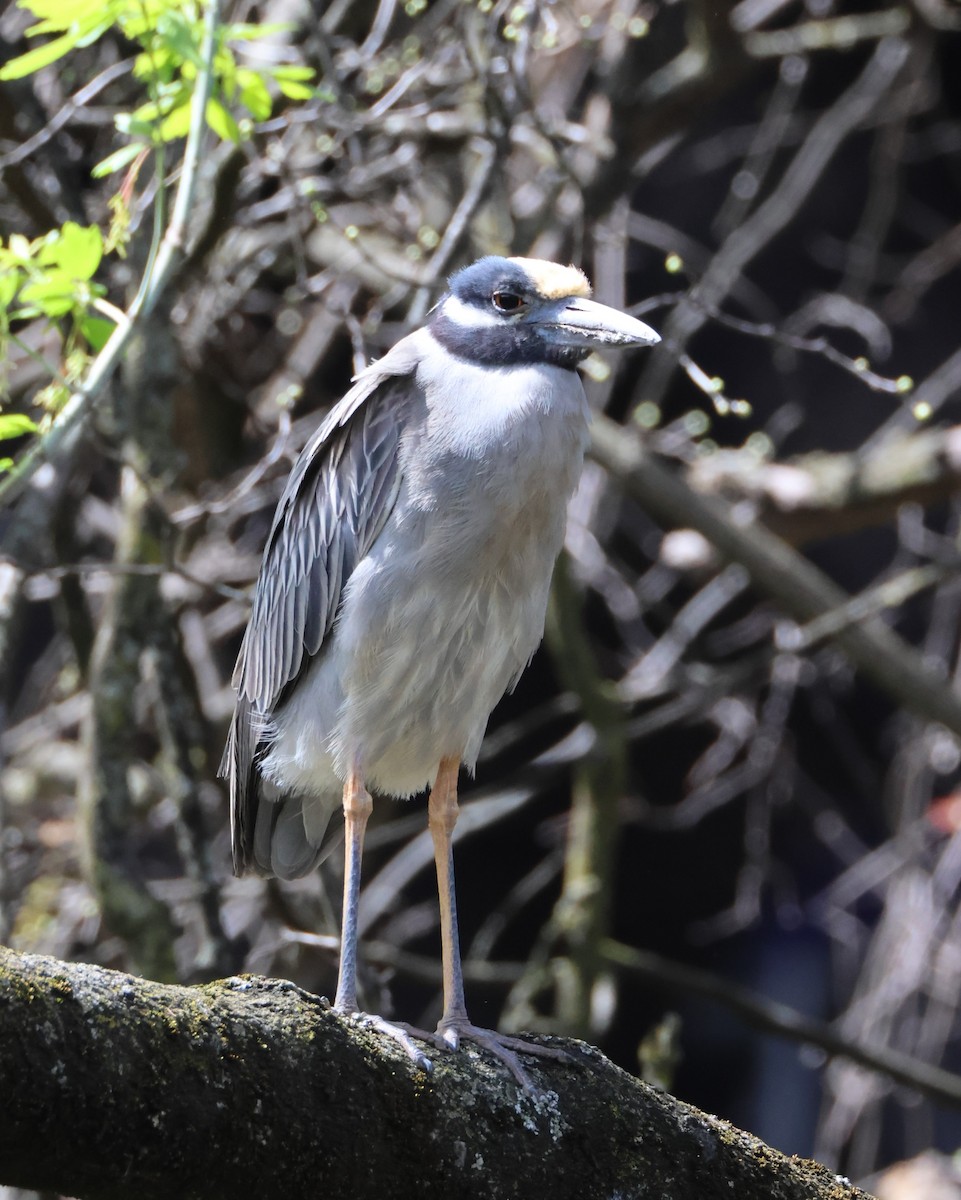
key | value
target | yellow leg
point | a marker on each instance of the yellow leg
(357, 809)
(455, 1025)
(442, 817)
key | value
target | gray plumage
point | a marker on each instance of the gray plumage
(403, 590)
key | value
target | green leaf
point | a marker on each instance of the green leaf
(171, 109)
(177, 123)
(14, 425)
(6, 464)
(9, 282)
(160, 64)
(20, 247)
(97, 31)
(51, 297)
(180, 36)
(97, 331)
(221, 122)
(169, 97)
(68, 12)
(251, 33)
(76, 249)
(132, 126)
(291, 72)
(117, 160)
(226, 72)
(254, 95)
(43, 56)
(296, 91)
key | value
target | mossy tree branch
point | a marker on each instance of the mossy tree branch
(115, 1086)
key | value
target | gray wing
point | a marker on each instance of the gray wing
(338, 497)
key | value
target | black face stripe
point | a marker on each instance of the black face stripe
(506, 345)
(500, 340)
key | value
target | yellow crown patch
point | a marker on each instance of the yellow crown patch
(553, 281)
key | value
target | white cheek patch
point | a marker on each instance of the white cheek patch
(467, 316)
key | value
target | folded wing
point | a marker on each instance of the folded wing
(338, 497)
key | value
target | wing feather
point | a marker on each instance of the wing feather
(340, 493)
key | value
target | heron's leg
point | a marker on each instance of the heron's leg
(357, 809)
(441, 819)
(455, 1024)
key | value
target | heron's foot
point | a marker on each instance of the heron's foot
(404, 1035)
(504, 1047)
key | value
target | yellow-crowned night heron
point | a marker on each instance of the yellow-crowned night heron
(404, 585)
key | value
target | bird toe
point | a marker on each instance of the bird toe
(503, 1047)
(403, 1035)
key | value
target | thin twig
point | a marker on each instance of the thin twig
(777, 570)
(747, 241)
(774, 1017)
(65, 112)
(826, 33)
(455, 229)
(858, 367)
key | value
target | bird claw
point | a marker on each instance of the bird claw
(503, 1047)
(450, 1034)
(403, 1035)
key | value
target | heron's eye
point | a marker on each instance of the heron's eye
(507, 301)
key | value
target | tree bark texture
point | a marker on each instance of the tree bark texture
(112, 1086)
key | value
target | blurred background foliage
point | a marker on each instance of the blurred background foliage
(727, 782)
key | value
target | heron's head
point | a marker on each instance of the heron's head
(507, 311)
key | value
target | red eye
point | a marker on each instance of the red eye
(507, 301)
